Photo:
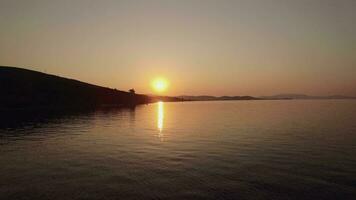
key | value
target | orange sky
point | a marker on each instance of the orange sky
(254, 47)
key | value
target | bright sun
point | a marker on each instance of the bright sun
(159, 85)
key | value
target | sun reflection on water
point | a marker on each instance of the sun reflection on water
(160, 118)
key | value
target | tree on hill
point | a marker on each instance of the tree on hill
(132, 91)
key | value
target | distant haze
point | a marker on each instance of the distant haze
(210, 47)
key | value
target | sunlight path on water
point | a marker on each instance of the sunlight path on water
(160, 118)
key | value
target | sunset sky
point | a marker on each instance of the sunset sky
(210, 47)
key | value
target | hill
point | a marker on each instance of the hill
(23, 89)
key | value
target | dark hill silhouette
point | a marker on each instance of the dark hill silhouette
(24, 89)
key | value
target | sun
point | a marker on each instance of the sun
(160, 84)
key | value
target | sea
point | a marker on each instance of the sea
(259, 149)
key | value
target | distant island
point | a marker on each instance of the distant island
(303, 96)
(27, 89)
(214, 98)
(274, 97)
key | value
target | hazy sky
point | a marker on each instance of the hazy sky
(215, 47)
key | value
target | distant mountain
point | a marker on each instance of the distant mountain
(214, 98)
(303, 96)
(156, 98)
(286, 96)
(23, 89)
(274, 97)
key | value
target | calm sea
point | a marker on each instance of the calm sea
(292, 149)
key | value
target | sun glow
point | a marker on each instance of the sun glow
(160, 85)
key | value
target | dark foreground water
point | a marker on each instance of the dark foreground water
(191, 150)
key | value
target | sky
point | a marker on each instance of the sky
(202, 47)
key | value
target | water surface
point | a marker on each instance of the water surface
(302, 149)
